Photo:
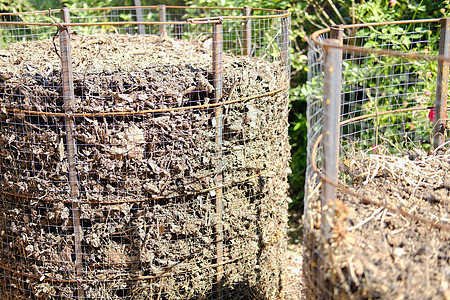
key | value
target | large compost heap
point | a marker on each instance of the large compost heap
(148, 181)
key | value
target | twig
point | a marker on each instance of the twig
(401, 229)
(313, 23)
(336, 11)
(233, 87)
(270, 44)
(321, 9)
(375, 172)
(414, 191)
(440, 146)
(239, 40)
(383, 216)
(56, 33)
(314, 191)
(352, 270)
(373, 215)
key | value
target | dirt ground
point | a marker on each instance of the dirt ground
(294, 289)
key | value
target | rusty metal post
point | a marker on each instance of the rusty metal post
(331, 130)
(217, 51)
(440, 106)
(162, 18)
(285, 39)
(247, 32)
(337, 32)
(69, 99)
(139, 17)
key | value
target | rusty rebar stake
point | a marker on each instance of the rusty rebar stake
(247, 32)
(162, 18)
(217, 52)
(331, 113)
(440, 105)
(69, 98)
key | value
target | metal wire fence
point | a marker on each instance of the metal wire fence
(377, 95)
(144, 153)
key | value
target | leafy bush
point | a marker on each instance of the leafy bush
(15, 6)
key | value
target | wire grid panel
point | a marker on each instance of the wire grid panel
(145, 184)
(386, 108)
(377, 84)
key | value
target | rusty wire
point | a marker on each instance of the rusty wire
(315, 36)
(151, 111)
(412, 56)
(142, 200)
(164, 273)
(142, 6)
(212, 20)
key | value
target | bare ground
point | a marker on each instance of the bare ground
(294, 259)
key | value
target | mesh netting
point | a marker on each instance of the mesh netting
(385, 232)
(143, 160)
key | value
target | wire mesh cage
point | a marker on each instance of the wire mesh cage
(376, 221)
(144, 153)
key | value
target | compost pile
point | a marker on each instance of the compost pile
(394, 240)
(148, 182)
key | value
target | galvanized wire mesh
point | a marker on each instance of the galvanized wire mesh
(389, 96)
(143, 160)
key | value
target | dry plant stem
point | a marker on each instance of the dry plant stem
(373, 215)
(413, 172)
(310, 20)
(440, 147)
(352, 270)
(233, 87)
(316, 189)
(335, 9)
(322, 11)
(415, 189)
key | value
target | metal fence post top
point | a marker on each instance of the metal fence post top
(337, 32)
(339, 27)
